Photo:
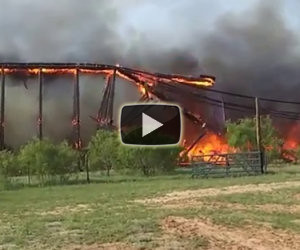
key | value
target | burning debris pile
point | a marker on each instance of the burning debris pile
(291, 143)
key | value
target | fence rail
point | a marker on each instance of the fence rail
(248, 163)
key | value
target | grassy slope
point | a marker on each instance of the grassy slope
(26, 220)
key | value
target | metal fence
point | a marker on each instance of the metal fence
(235, 164)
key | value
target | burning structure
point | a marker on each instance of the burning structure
(253, 52)
(151, 86)
(201, 137)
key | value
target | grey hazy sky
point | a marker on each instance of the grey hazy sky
(174, 19)
(65, 29)
(251, 46)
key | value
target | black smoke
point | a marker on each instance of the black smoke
(254, 52)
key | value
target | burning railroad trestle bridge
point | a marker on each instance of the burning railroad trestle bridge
(184, 90)
(150, 85)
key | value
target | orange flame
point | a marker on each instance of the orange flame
(290, 144)
(211, 144)
(132, 75)
(142, 89)
(292, 140)
(78, 145)
(206, 82)
(75, 121)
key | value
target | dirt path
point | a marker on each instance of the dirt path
(221, 237)
(237, 189)
(106, 246)
(180, 232)
(270, 208)
(260, 237)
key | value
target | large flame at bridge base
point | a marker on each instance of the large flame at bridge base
(216, 144)
(291, 144)
(211, 144)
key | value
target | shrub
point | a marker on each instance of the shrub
(242, 135)
(103, 151)
(7, 164)
(2, 182)
(46, 160)
(148, 160)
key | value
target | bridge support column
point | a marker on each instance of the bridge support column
(76, 111)
(2, 112)
(40, 118)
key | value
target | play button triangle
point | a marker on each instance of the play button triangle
(149, 124)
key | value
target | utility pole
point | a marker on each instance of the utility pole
(258, 134)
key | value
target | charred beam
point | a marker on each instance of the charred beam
(195, 142)
(76, 111)
(132, 75)
(103, 106)
(2, 112)
(40, 118)
(110, 108)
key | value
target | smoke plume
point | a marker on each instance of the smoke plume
(254, 52)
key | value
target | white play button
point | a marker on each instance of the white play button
(149, 124)
(152, 124)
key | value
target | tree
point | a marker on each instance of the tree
(148, 160)
(8, 164)
(103, 151)
(45, 159)
(7, 168)
(242, 135)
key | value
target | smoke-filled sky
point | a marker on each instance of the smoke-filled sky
(251, 46)
(249, 43)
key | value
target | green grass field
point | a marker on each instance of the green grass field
(145, 213)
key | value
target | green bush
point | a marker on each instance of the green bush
(7, 166)
(148, 160)
(242, 135)
(103, 151)
(106, 153)
(46, 160)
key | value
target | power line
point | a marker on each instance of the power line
(291, 115)
(242, 108)
(248, 96)
(284, 112)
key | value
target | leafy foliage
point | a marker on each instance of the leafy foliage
(7, 168)
(45, 159)
(103, 150)
(8, 164)
(148, 160)
(242, 135)
(106, 153)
